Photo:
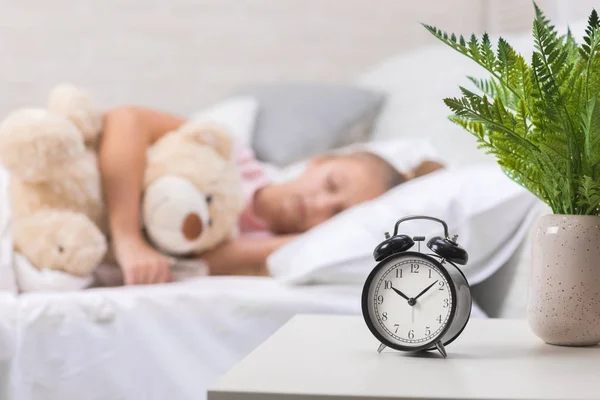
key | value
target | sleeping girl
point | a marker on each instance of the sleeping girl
(274, 213)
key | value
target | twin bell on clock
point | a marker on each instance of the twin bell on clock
(417, 301)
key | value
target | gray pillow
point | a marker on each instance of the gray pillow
(296, 121)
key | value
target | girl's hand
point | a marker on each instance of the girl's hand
(426, 167)
(141, 264)
(244, 255)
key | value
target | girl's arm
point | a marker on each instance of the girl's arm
(128, 132)
(244, 256)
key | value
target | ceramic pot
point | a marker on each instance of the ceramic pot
(564, 289)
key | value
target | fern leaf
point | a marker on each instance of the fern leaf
(570, 46)
(473, 50)
(592, 26)
(506, 61)
(591, 128)
(589, 191)
(589, 53)
(522, 127)
(487, 52)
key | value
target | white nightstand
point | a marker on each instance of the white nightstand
(335, 357)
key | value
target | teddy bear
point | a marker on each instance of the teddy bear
(190, 202)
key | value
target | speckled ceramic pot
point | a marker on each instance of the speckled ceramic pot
(564, 290)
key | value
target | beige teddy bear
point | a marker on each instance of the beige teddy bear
(191, 201)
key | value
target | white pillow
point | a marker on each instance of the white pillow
(416, 84)
(478, 202)
(238, 114)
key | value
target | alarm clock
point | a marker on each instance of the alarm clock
(414, 301)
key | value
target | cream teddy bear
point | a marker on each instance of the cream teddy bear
(191, 200)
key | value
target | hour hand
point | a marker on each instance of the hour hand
(400, 293)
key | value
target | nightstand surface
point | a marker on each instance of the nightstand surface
(335, 357)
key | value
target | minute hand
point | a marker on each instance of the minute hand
(425, 290)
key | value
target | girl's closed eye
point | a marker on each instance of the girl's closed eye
(332, 185)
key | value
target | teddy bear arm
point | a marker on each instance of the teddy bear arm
(77, 106)
(209, 134)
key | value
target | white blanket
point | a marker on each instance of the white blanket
(161, 342)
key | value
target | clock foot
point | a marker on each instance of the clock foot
(441, 349)
(381, 348)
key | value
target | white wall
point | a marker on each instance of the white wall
(180, 54)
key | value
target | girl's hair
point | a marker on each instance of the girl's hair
(392, 177)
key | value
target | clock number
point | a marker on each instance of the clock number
(446, 301)
(399, 273)
(427, 331)
(414, 268)
(439, 318)
(430, 272)
(396, 326)
(411, 334)
(388, 285)
(384, 316)
(442, 284)
(379, 299)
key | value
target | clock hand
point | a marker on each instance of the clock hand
(400, 293)
(425, 290)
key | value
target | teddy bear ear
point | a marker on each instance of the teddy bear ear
(77, 106)
(209, 134)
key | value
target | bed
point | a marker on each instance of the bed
(152, 342)
(171, 341)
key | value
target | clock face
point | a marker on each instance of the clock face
(408, 301)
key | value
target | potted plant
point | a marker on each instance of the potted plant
(541, 121)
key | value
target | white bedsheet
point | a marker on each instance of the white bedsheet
(160, 342)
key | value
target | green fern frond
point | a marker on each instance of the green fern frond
(541, 120)
(589, 191)
(486, 86)
(590, 55)
(591, 129)
(506, 62)
(487, 52)
(570, 46)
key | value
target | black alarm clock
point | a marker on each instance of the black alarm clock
(414, 301)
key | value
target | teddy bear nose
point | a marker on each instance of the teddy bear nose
(192, 226)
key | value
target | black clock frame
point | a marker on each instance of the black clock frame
(431, 344)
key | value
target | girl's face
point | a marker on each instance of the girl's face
(327, 187)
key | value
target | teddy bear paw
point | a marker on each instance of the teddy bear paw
(60, 240)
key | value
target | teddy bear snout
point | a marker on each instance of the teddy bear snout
(192, 226)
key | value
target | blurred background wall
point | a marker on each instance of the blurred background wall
(181, 54)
